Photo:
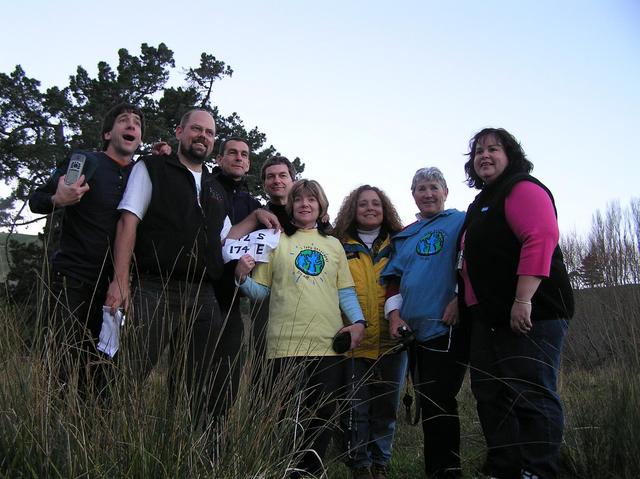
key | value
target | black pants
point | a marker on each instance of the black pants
(74, 321)
(321, 382)
(259, 318)
(440, 366)
(203, 349)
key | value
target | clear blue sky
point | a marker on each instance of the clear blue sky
(368, 91)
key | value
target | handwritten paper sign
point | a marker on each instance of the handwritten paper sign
(257, 244)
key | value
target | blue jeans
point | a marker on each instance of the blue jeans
(513, 378)
(372, 419)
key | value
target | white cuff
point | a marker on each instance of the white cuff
(391, 304)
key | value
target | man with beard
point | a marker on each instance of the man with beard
(82, 265)
(173, 215)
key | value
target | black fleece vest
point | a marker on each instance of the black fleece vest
(492, 253)
(178, 238)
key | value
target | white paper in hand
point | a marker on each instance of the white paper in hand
(110, 333)
(257, 244)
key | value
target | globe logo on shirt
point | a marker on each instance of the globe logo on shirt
(310, 262)
(431, 243)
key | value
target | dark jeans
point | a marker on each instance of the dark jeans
(231, 353)
(203, 350)
(371, 423)
(74, 321)
(259, 318)
(440, 366)
(321, 382)
(513, 378)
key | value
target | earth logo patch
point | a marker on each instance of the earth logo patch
(431, 243)
(311, 262)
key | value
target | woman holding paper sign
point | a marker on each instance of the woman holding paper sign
(309, 282)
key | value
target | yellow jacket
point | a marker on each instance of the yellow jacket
(366, 266)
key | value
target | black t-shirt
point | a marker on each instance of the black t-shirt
(89, 227)
(283, 217)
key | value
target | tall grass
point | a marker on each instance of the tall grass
(602, 385)
(48, 431)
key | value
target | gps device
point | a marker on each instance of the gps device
(74, 170)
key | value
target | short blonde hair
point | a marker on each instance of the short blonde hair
(312, 188)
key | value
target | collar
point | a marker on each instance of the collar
(228, 182)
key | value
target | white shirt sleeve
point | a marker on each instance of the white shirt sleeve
(137, 194)
(226, 227)
(393, 303)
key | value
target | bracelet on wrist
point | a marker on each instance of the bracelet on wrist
(521, 301)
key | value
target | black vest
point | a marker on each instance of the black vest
(178, 238)
(492, 254)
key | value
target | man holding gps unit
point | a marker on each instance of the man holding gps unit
(89, 186)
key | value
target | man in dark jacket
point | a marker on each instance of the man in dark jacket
(174, 217)
(82, 265)
(233, 163)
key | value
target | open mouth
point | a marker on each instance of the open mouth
(129, 137)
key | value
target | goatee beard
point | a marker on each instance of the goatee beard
(191, 155)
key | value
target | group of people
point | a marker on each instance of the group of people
(486, 290)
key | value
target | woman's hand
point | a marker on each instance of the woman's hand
(395, 323)
(521, 309)
(245, 265)
(357, 333)
(450, 316)
(521, 318)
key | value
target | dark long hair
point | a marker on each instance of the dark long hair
(518, 162)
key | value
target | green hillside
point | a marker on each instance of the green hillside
(4, 266)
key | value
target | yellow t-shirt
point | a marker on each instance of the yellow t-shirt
(304, 272)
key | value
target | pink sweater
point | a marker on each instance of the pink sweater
(530, 215)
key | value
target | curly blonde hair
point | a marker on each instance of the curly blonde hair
(346, 225)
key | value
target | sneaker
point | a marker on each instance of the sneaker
(380, 471)
(361, 473)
